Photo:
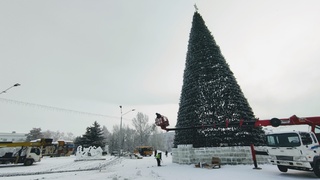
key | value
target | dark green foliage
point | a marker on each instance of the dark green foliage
(77, 141)
(93, 137)
(35, 133)
(210, 95)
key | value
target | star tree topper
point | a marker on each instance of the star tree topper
(196, 8)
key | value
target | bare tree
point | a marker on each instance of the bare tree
(106, 134)
(69, 136)
(113, 140)
(34, 134)
(128, 139)
(143, 129)
(157, 140)
(55, 136)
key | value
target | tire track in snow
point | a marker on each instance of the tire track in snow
(98, 167)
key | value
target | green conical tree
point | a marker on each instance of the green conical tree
(93, 136)
(211, 95)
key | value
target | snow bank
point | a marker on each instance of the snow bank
(114, 168)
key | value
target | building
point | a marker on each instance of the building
(4, 137)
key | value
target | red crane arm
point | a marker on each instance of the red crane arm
(163, 122)
(293, 120)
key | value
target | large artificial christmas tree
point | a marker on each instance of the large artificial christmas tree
(210, 95)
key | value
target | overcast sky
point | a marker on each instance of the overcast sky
(76, 59)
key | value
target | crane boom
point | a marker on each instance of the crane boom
(313, 121)
(42, 142)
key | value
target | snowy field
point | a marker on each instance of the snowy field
(114, 168)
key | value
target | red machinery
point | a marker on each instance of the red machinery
(293, 120)
(163, 122)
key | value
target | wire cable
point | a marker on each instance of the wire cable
(52, 108)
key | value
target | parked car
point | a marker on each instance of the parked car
(114, 153)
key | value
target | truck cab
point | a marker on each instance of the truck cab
(294, 150)
(22, 152)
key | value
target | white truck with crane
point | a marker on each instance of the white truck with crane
(22, 152)
(288, 150)
(298, 150)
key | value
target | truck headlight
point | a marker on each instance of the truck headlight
(300, 158)
(272, 157)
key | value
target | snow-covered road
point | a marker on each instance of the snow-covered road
(114, 168)
(56, 165)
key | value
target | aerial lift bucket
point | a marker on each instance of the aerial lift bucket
(162, 121)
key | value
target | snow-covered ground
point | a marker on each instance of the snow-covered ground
(114, 168)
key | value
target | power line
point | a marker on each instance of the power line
(52, 108)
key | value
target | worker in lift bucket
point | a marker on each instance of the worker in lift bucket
(161, 121)
(158, 115)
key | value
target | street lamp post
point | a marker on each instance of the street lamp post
(120, 133)
(15, 85)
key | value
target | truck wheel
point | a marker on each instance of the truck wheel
(282, 168)
(316, 168)
(28, 162)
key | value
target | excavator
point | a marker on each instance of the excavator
(23, 152)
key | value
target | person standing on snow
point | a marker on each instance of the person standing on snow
(158, 158)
